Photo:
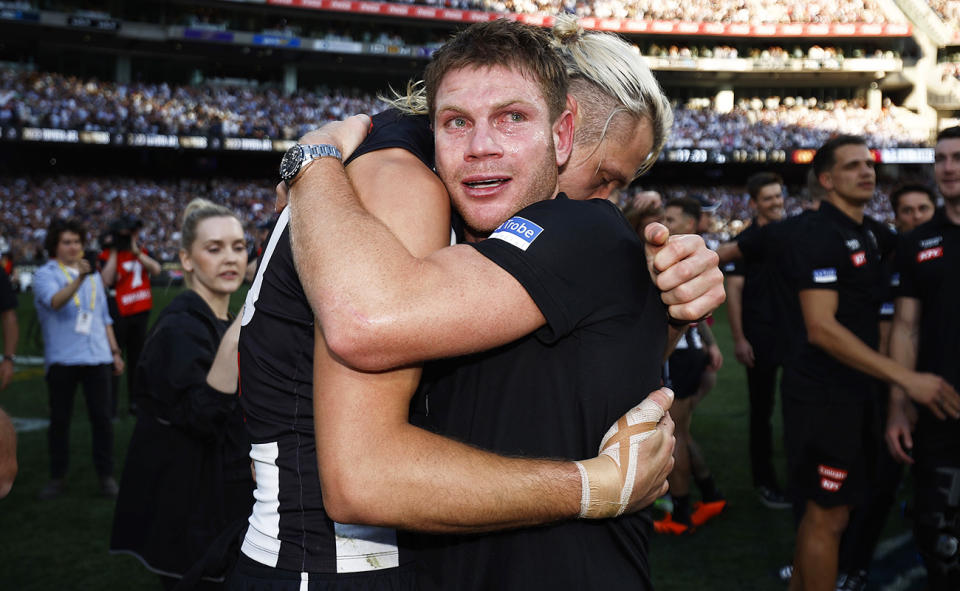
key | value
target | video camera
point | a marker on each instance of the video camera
(121, 230)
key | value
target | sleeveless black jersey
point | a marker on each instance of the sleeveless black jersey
(288, 528)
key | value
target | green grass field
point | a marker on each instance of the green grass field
(62, 544)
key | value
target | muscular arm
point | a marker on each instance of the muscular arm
(819, 307)
(381, 307)
(742, 348)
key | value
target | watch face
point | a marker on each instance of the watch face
(290, 164)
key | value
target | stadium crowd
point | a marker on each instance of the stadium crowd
(707, 11)
(790, 122)
(27, 205)
(65, 102)
(827, 57)
(948, 11)
(712, 11)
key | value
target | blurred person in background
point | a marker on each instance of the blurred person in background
(187, 487)
(754, 316)
(8, 454)
(926, 336)
(912, 205)
(126, 271)
(79, 348)
(830, 387)
(695, 352)
(260, 242)
(11, 332)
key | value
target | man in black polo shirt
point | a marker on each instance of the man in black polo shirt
(926, 335)
(754, 316)
(830, 389)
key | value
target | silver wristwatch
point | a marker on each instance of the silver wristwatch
(299, 156)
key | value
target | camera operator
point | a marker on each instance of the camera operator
(126, 272)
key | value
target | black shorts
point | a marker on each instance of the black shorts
(250, 575)
(831, 447)
(684, 371)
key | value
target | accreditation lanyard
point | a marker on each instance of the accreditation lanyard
(76, 298)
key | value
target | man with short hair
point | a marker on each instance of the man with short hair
(912, 205)
(755, 321)
(695, 353)
(926, 336)
(830, 406)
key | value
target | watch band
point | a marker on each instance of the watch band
(307, 153)
(314, 151)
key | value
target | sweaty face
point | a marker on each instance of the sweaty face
(678, 222)
(495, 145)
(913, 209)
(769, 202)
(853, 176)
(946, 168)
(596, 170)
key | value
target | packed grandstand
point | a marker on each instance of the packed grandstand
(755, 84)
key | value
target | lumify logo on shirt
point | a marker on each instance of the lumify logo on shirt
(518, 231)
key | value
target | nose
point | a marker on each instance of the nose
(484, 142)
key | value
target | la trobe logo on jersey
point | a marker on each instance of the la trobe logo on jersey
(518, 231)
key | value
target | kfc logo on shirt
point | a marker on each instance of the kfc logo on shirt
(929, 254)
(859, 258)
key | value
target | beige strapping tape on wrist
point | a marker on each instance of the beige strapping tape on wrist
(607, 480)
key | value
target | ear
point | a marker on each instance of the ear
(563, 136)
(826, 180)
(185, 261)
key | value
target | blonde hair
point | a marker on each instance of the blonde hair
(609, 77)
(413, 102)
(198, 210)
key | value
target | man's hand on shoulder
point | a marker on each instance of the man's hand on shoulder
(636, 455)
(346, 135)
(686, 272)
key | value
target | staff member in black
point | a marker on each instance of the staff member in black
(754, 317)
(926, 335)
(831, 423)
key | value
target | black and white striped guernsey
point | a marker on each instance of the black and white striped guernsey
(288, 528)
